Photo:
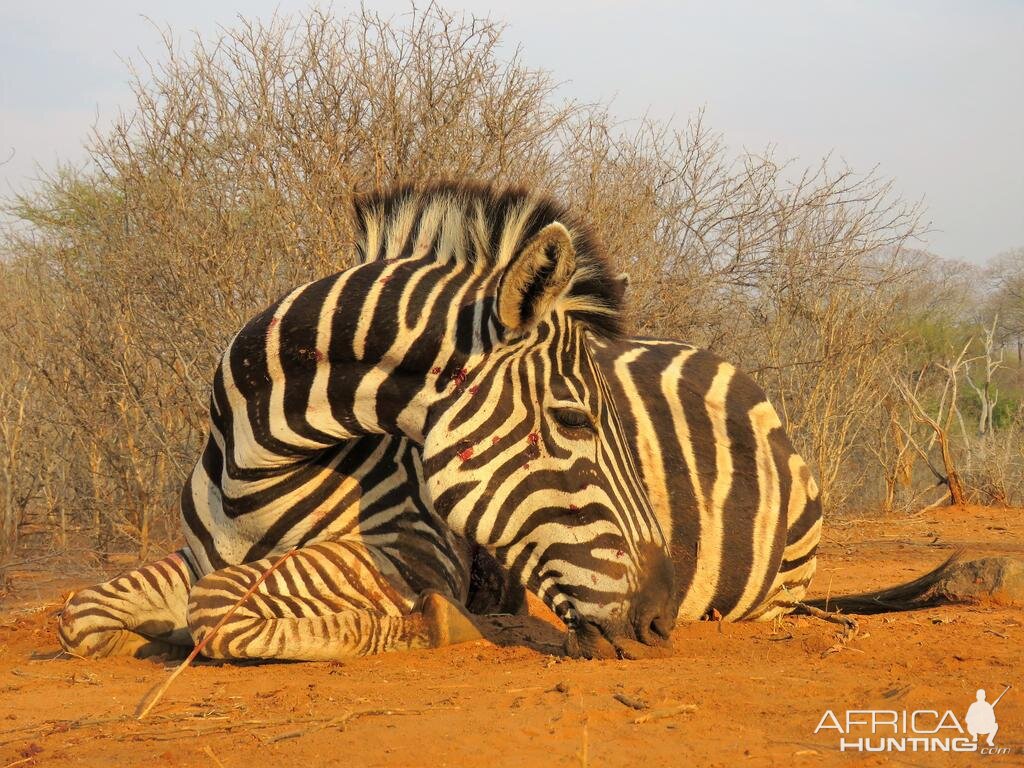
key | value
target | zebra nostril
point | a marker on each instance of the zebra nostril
(662, 627)
(654, 604)
(654, 627)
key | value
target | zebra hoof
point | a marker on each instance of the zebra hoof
(447, 623)
(587, 643)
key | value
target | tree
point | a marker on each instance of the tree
(987, 392)
(1006, 274)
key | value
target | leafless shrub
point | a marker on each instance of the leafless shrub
(993, 468)
(939, 425)
(231, 181)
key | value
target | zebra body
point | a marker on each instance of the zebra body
(740, 507)
(464, 331)
(739, 504)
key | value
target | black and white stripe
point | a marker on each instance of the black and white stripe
(466, 331)
(739, 504)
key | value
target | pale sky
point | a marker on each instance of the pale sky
(931, 92)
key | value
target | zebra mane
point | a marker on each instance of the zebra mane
(487, 226)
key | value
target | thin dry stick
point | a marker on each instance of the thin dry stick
(585, 751)
(659, 714)
(153, 698)
(848, 623)
(209, 753)
(341, 721)
(630, 702)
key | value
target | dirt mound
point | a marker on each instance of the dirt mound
(731, 694)
(998, 580)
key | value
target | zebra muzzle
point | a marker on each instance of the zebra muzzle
(644, 630)
(588, 640)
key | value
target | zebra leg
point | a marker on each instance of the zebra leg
(787, 590)
(492, 589)
(799, 558)
(140, 613)
(330, 600)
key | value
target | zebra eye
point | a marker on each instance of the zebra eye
(573, 418)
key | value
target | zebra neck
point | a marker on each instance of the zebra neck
(367, 351)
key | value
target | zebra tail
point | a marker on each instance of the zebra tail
(918, 593)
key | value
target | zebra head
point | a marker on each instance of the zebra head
(523, 452)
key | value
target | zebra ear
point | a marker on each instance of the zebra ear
(535, 277)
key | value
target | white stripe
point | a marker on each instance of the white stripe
(318, 410)
(648, 447)
(708, 557)
(763, 419)
(277, 422)
(246, 452)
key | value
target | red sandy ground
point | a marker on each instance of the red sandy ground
(754, 692)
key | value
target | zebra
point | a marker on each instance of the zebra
(441, 391)
(385, 564)
(740, 507)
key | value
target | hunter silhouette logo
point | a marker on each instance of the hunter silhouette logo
(919, 730)
(981, 717)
